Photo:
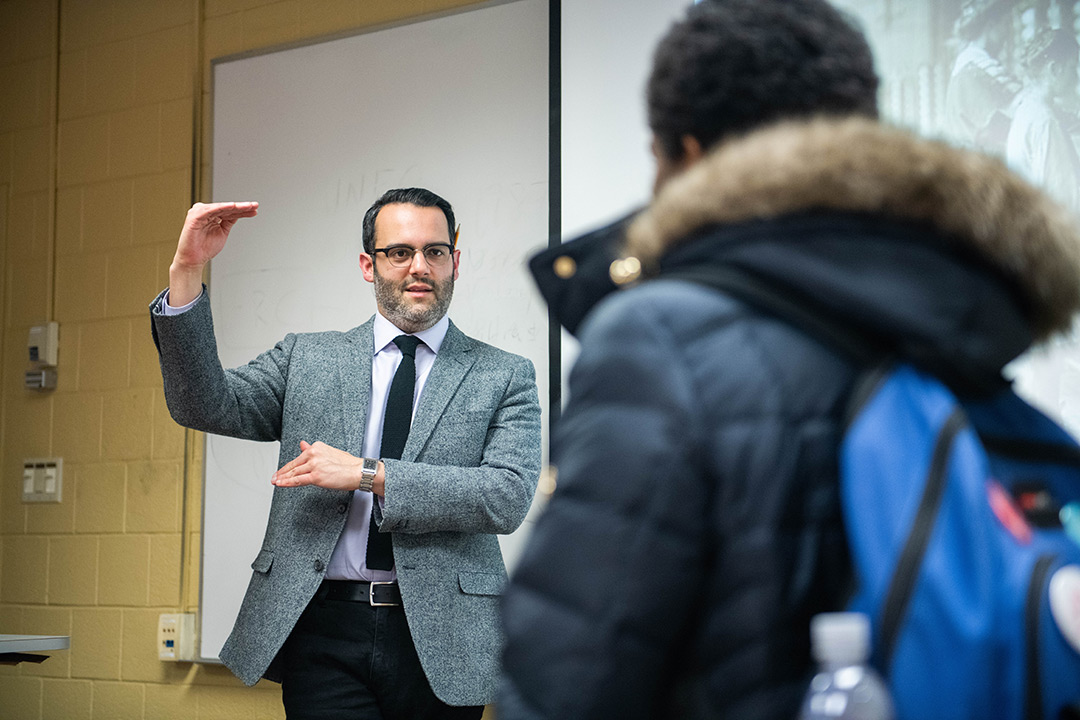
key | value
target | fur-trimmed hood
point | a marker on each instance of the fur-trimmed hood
(972, 203)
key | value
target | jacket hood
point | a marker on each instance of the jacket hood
(970, 205)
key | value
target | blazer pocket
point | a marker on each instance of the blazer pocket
(263, 561)
(481, 583)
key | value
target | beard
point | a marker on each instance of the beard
(406, 314)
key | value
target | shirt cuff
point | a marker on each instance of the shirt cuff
(170, 310)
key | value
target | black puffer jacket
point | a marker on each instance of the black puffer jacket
(695, 528)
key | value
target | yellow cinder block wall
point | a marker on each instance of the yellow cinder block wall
(103, 110)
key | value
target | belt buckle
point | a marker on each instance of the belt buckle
(371, 595)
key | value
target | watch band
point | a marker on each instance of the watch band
(368, 468)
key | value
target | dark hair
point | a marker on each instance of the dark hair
(409, 196)
(1048, 46)
(732, 65)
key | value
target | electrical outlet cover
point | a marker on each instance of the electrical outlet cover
(176, 637)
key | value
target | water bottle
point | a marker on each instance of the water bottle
(845, 686)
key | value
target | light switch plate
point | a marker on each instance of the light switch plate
(43, 480)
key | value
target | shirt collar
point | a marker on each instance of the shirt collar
(386, 331)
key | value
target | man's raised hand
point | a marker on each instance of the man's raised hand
(205, 230)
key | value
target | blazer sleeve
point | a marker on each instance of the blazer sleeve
(244, 402)
(491, 497)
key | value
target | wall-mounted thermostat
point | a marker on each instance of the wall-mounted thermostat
(42, 351)
(42, 345)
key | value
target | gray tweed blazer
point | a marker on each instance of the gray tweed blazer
(468, 472)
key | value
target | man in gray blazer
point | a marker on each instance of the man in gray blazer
(353, 627)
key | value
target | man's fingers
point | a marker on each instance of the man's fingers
(231, 206)
(240, 210)
(297, 475)
(225, 216)
(296, 465)
(294, 480)
(318, 464)
(211, 212)
(289, 466)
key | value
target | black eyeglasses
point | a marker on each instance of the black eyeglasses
(436, 254)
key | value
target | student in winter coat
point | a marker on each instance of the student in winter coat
(696, 527)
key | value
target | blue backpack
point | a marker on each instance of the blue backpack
(956, 518)
(963, 520)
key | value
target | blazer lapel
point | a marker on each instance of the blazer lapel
(354, 362)
(451, 365)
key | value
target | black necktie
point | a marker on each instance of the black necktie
(396, 422)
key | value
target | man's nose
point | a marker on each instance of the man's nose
(419, 264)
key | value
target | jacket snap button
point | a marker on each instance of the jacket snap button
(341, 508)
(318, 565)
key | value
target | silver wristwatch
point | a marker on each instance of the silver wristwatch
(368, 468)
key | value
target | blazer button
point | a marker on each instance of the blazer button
(341, 508)
(319, 565)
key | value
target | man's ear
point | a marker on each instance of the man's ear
(668, 167)
(367, 267)
(692, 151)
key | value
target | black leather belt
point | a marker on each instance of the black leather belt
(376, 594)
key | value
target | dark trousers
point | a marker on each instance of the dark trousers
(347, 660)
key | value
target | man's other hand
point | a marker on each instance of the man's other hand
(325, 466)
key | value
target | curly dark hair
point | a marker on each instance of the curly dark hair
(733, 65)
(409, 196)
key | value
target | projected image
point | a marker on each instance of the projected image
(1013, 91)
(999, 76)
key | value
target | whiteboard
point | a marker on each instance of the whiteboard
(457, 104)
(607, 164)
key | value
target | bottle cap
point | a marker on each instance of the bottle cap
(1070, 520)
(842, 638)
